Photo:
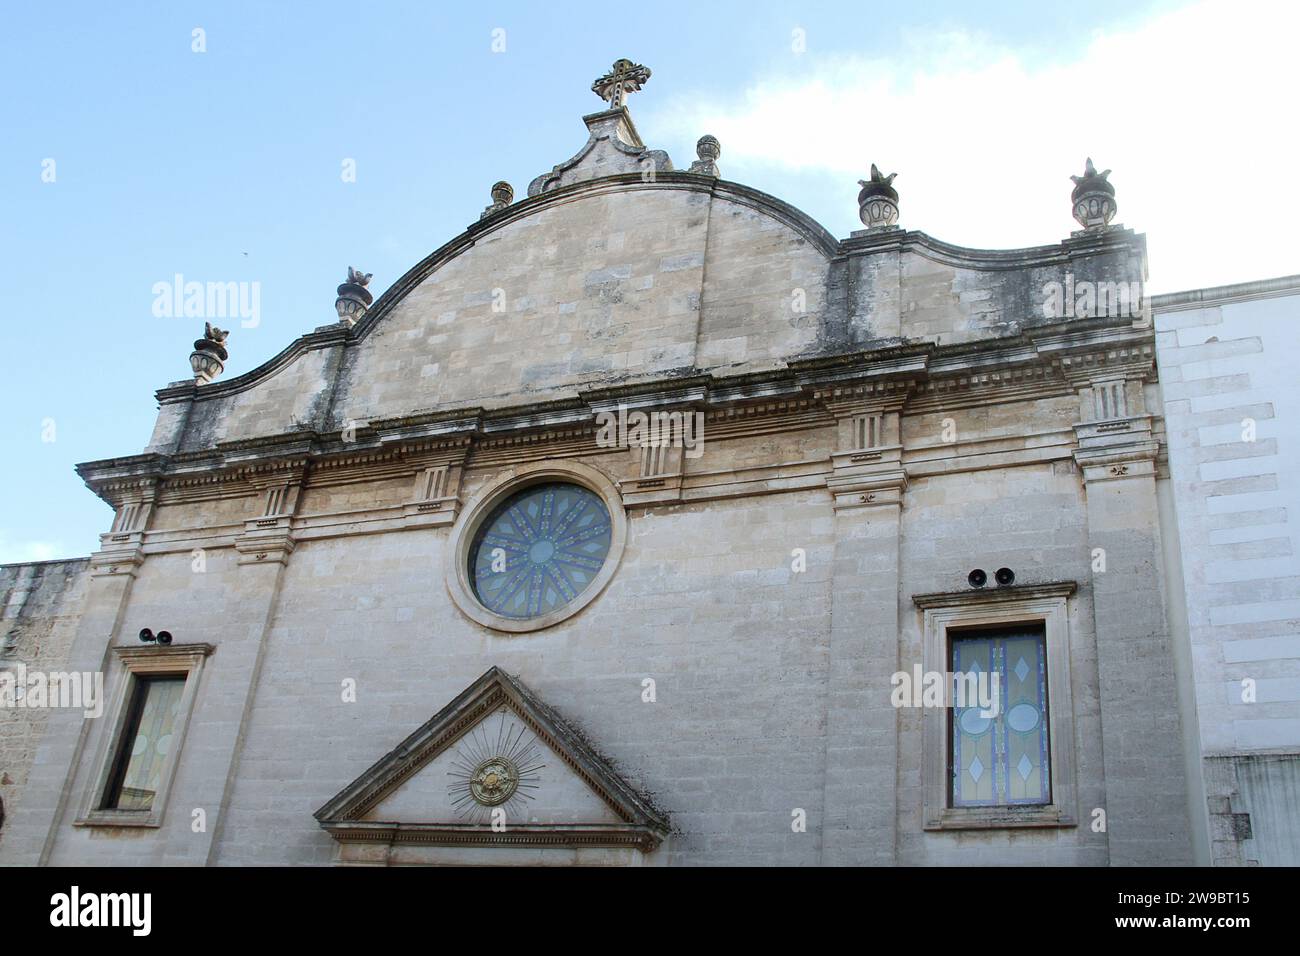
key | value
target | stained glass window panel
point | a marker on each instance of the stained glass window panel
(1001, 759)
(539, 549)
(147, 740)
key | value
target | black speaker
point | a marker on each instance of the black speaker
(1004, 577)
(977, 578)
(146, 635)
(164, 637)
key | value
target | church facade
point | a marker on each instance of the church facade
(646, 523)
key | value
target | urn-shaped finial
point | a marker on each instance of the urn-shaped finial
(1093, 198)
(208, 360)
(708, 149)
(354, 298)
(878, 200)
(503, 194)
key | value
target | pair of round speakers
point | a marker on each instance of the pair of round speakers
(163, 637)
(1004, 576)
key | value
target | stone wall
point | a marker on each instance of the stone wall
(621, 280)
(1232, 404)
(42, 602)
(883, 415)
(748, 655)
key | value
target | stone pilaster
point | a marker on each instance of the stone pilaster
(660, 429)
(867, 483)
(52, 789)
(435, 497)
(1146, 794)
(264, 551)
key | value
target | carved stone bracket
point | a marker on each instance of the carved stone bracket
(268, 536)
(435, 496)
(659, 478)
(122, 546)
(117, 562)
(868, 489)
(867, 467)
(266, 546)
(1116, 437)
(1135, 459)
(660, 429)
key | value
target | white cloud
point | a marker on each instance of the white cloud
(20, 552)
(1194, 110)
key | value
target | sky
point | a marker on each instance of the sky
(278, 144)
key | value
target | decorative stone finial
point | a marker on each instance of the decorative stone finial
(353, 298)
(708, 149)
(878, 200)
(503, 194)
(208, 360)
(623, 78)
(1093, 198)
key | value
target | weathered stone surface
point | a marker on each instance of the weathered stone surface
(1229, 395)
(41, 603)
(881, 414)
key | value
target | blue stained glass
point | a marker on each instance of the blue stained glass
(1002, 760)
(539, 549)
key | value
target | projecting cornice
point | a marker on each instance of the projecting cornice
(1048, 361)
(1226, 294)
(1081, 245)
(1077, 246)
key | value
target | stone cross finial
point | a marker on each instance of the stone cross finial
(623, 78)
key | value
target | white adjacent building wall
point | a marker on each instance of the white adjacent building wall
(1229, 364)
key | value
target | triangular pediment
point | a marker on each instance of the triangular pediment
(495, 767)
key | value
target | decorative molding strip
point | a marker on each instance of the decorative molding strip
(975, 597)
(152, 657)
(1077, 246)
(1225, 294)
(643, 838)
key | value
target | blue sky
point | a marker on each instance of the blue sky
(226, 165)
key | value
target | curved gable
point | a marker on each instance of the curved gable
(623, 280)
(616, 270)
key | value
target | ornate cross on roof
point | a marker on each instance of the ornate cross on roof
(625, 77)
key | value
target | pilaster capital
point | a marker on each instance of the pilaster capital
(1132, 459)
(266, 541)
(868, 488)
(118, 559)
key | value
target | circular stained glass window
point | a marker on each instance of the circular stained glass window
(539, 549)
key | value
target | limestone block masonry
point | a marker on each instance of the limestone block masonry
(1232, 406)
(878, 416)
(41, 603)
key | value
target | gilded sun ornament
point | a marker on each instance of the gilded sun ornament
(497, 764)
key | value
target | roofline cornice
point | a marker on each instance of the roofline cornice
(1064, 346)
(1079, 245)
(1223, 294)
(1082, 244)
